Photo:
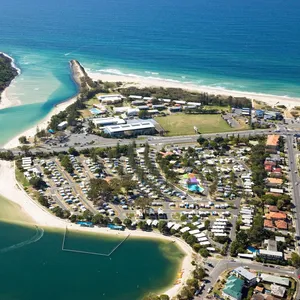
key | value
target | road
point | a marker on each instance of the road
(225, 264)
(294, 179)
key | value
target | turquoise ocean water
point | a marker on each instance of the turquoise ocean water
(251, 46)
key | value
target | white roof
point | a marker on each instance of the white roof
(135, 97)
(129, 127)
(176, 226)
(275, 279)
(185, 229)
(195, 231)
(109, 120)
(154, 223)
(200, 235)
(202, 239)
(149, 222)
(170, 224)
(194, 103)
(271, 253)
(204, 243)
(245, 273)
(110, 97)
(63, 123)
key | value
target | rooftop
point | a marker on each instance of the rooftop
(244, 273)
(233, 287)
(272, 140)
(275, 279)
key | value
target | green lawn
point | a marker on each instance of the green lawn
(183, 124)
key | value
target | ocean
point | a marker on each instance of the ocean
(249, 46)
(33, 266)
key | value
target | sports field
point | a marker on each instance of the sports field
(183, 124)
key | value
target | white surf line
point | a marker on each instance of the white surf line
(38, 235)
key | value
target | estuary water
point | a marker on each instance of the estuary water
(34, 267)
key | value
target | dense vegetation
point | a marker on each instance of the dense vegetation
(7, 72)
(180, 94)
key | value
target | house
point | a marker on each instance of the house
(63, 125)
(276, 216)
(273, 208)
(133, 112)
(268, 254)
(248, 277)
(281, 225)
(138, 102)
(259, 113)
(175, 109)
(120, 110)
(271, 245)
(283, 281)
(259, 289)
(135, 97)
(233, 288)
(111, 99)
(277, 290)
(274, 182)
(272, 143)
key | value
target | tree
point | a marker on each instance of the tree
(43, 200)
(37, 182)
(117, 221)
(295, 259)
(73, 151)
(127, 222)
(23, 140)
(204, 252)
(98, 219)
(66, 163)
(143, 202)
(100, 190)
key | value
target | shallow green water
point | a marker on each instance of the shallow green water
(33, 266)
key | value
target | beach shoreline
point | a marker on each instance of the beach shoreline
(5, 102)
(142, 82)
(11, 190)
(30, 133)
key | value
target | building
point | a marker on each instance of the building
(138, 102)
(133, 129)
(159, 106)
(277, 290)
(111, 99)
(63, 125)
(248, 277)
(133, 112)
(233, 288)
(135, 97)
(283, 281)
(270, 255)
(272, 143)
(273, 182)
(175, 109)
(100, 122)
(272, 115)
(246, 111)
(259, 113)
(120, 110)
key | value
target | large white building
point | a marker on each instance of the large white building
(132, 129)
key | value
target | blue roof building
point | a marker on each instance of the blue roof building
(233, 288)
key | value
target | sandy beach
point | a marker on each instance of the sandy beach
(150, 81)
(10, 189)
(29, 133)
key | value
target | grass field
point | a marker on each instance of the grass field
(183, 124)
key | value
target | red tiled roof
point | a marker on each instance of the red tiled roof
(280, 224)
(268, 168)
(268, 224)
(273, 208)
(276, 215)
